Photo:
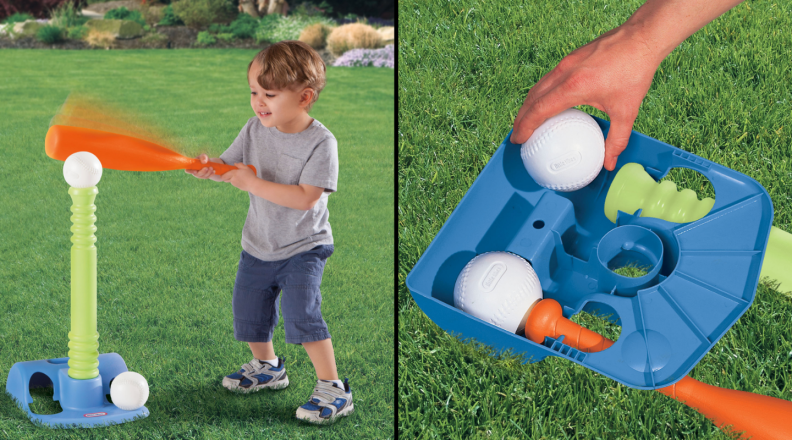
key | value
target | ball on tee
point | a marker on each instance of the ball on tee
(129, 391)
(566, 152)
(82, 170)
(498, 287)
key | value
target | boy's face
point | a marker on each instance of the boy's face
(276, 108)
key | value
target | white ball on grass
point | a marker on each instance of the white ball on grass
(129, 391)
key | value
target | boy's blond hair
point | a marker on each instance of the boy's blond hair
(293, 65)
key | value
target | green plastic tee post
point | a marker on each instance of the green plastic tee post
(633, 189)
(83, 337)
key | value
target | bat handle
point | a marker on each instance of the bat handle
(761, 417)
(219, 168)
(546, 320)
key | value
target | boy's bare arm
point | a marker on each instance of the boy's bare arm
(302, 197)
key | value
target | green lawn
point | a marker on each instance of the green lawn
(465, 67)
(168, 245)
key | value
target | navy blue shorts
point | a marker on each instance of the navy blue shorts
(256, 290)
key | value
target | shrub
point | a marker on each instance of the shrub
(18, 18)
(198, 14)
(243, 27)
(123, 13)
(98, 38)
(205, 39)
(367, 57)
(275, 27)
(315, 35)
(169, 18)
(363, 7)
(352, 36)
(50, 34)
(67, 15)
(225, 37)
(78, 32)
(154, 39)
(36, 8)
(309, 9)
(267, 25)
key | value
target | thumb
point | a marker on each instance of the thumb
(240, 165)
(618, 137)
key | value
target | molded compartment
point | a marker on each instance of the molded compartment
(703, 274)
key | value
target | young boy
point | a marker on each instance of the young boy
(286, 238)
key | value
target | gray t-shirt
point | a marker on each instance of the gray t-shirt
(273, 232)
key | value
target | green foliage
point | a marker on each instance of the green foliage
(369, 8)
(18, 18)
(267, 25)
(169, 18)
(225, 37)
(275, 27)
(199, 14)
(310, 9)
(205, 39)
(243, 27)
(50, 34)
(66, 15)
(123, 13)
(78, 32)
(154, 39)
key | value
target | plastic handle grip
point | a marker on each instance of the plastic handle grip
(760, 417)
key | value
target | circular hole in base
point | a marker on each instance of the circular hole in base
(538, 224)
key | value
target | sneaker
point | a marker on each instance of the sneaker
(327, 403)
(256, 375)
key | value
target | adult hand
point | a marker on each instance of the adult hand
(612, 73)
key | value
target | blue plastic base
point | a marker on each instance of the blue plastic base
(703, 274)
(84, 401)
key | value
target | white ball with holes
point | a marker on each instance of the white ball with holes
(498, 287)
(566, 152)
(129, 391)
(82, 170)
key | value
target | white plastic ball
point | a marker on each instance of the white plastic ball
(129, 391)
(566, 152)
(82, 170)
(499, 288)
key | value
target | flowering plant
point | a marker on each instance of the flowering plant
(367, 57)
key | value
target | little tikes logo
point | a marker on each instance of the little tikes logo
(493, 274)
(561, 163)
(99, 414)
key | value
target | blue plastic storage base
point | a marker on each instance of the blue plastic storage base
(705, 279)
(84, 401)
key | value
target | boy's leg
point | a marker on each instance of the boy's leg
(323, 358)
(264, 350)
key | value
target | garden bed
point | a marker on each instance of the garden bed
(178, 37)
(127, 25)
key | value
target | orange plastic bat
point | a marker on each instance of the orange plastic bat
(119, 138)
(121, 152)
(762, 417)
